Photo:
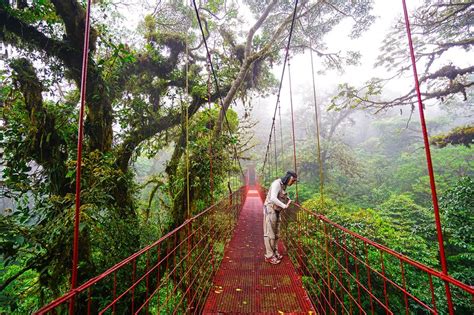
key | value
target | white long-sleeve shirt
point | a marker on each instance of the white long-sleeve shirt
(272, 195)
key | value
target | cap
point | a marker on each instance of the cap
(292, 174)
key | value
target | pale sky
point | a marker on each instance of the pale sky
(368, 44)
(338, 40)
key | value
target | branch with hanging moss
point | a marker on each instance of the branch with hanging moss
(158, 184)
(42, 139)
(154, 127)
(458, 136)
(250, 58)
(32, 265)
(368, 95)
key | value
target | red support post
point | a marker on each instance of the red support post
(114, 292)
(338, 263)
(384, 280)
(134, 271)
(158, 257)
(369, 282)
(85, 59)
(188, 262)
(346, 249)
(434, 197)
(89, 300)
(433, 300)
(356, 263)
(327, 263)
(175, 249)
(147, 281)
(407, 310)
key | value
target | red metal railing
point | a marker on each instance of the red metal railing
(172, 275)
(344, 272)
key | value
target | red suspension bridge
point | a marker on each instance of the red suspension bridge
(327, 269)
(213, 262)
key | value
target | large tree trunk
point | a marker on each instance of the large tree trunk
(45, 144)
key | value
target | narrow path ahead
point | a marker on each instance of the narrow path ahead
(245, 283)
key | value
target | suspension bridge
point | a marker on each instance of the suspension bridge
(202, 267)
(213, 262)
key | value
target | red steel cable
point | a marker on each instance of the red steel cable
(293, 127)
(337, 246)
(281, 83)
(391, 252)
(69, 296)
(434, 197)
(378, 296)
(275, 144)
(85, 59)
(317, 119)
(281, 136)
(204, 39)
(211, 175)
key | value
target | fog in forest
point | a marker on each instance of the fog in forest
(178, 107)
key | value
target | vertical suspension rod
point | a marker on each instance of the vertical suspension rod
(210, 137)
(434, 196)
(188, 209)
(281, 81)
(275, 144)
(77, 211)
(216, 82)
(293, 127)
(318, 138)
(281, 137)
(188, 199)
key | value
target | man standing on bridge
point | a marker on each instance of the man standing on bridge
(277, 200)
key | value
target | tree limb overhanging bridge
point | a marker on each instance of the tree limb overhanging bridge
(213, 262)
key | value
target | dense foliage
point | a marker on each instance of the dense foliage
(156, 123)
(375, 183)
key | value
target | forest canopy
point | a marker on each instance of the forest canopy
(156, 119)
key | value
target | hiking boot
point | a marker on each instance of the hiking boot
(272, 260)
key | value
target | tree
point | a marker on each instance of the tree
(457, 136)
(136, 98)
(458, 222)
(257, 49)
(438, 29)
(41, 132)
(337, 157)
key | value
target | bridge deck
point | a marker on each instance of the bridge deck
(244, 283)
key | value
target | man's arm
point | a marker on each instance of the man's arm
(274, 190)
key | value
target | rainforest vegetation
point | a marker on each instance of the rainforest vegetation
(153, 113)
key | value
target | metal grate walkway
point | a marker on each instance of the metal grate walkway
(244, 283)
